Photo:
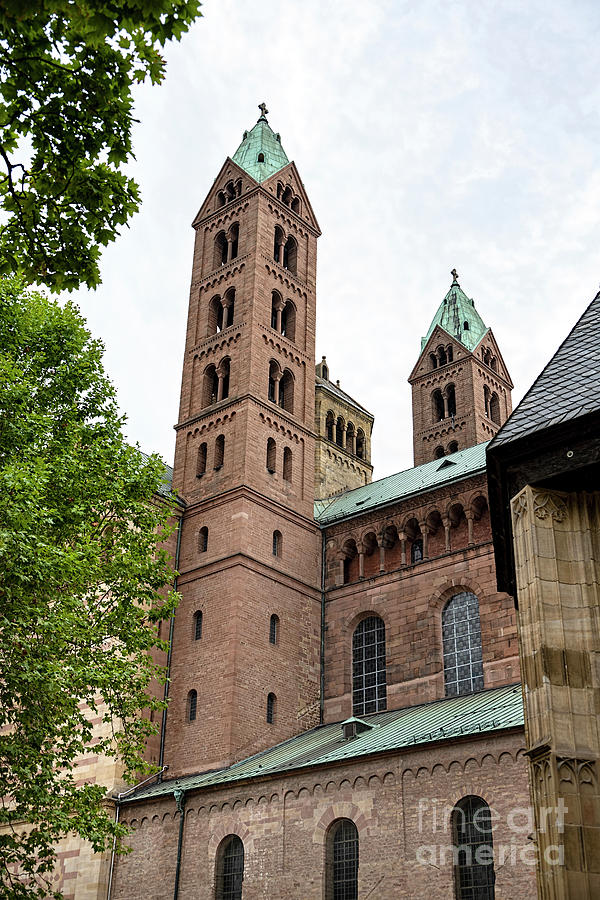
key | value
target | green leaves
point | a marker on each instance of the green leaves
(84, 585)
(66, 77)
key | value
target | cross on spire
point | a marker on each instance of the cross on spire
(263, 110)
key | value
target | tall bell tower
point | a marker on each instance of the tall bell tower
(461, 389)
(245, 653)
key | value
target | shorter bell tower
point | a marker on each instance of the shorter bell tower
(461, 389)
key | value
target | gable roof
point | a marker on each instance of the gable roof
(261, 139)
(473, 714)
(453, 312)
(567, 388)
(427, 476)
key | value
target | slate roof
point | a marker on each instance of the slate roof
(261, 139)
(428, 476)
(568, 387)
(454, 310)
(341, 395)
(455, 717)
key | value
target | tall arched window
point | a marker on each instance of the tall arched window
(329, 424)
(495, 408)
(219, 452)
(203, 539)
(210, 389)
(230, 868)
(369, 690)
(451, 400)
(342, 861)
(220, 257)
(339, 432)
(290, 255)
(201, 461)
(234, 237)
(287, 464)
(278, 242)
(271, 704)
(277, 543)
(229, 308)
(215, 315)
(474, 850)
(437, 406)
(192, 706)
(271, 455)
(288, 321)
(198, 625)
(416, 550)
(286, 391)
(274, 629)
(360, 443)
(461, 636)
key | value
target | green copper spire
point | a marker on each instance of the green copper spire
(260, 154)
(457, 315)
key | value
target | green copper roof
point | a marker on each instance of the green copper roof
(442, 720)
(261, 142)
(397, 487)
(456, 311)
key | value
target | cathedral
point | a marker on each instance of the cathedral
(345, 714)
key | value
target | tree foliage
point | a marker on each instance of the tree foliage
(82, 584)
(67, 69)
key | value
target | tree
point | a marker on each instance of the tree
(67, 69)
(82, 585)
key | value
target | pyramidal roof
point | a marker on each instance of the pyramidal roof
(260, 154)
(457, 315)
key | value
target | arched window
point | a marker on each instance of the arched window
(210, 387)
(287, 464)
(438, 453)
(486, 400)
(342, 861)
(450, 353)
(296, 205)
(274, 378)
(329, 422)
(286, 197)
(495, 408)
(230, 868)
(461, 637)
(223, 371)
(221, 199)
(274, 629)
(473, 850)
(277, 543)
(494, 364)
(288, 321)
(451, 400)
(219, 452)
(201, 461)
(325, 372)
(416, 551)
(229, 308)
(369, 690)
(339, 432)
(290, 255)
(279, 241)
(215, 316)
(350, 438)
(260, 157)
(360, 443)
(203, 539)
(453, 447)
(441, 353)
(230, 190)
(286, 391)
(437, 405)
(234, 237)
(198, 625)
(271, 455)
(192, 706)
(465, 325)
(433, 360)
(271, 704)
(220, 255)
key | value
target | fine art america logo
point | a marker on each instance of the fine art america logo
(467, 834)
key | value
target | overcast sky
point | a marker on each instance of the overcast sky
(429, 134)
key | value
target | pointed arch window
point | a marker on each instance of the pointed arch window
(342, 861)
(474, 875)
(230, 868)
(369, 688)
(461, 637)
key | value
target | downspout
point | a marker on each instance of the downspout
(163, 725)
(322, 659)
(180, 801)
(118, 800)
